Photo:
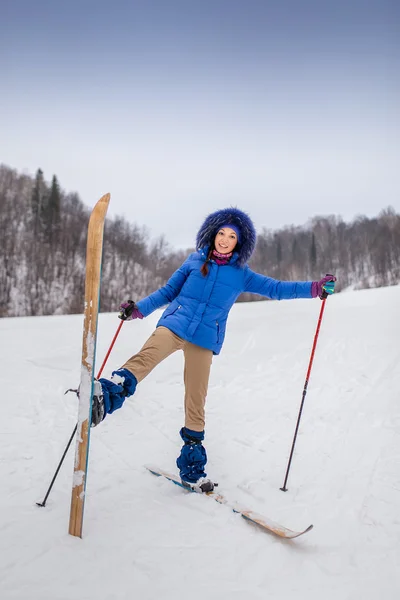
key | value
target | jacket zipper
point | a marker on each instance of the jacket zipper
(174, 311)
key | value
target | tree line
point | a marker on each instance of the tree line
(43, 245)
(43, 250)
(362, 254)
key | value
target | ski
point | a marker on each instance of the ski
(94, 248)
(248, 515)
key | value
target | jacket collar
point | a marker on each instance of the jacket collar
(204, 252)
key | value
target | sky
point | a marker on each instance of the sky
(287, 110)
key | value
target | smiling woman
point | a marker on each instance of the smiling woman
(222, 248)
(199, 295)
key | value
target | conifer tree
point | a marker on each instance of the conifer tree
(51, 212)
(313, 252)
(294, 250)
(278, 250)
(37, 201)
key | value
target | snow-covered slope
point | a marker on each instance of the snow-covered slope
(146, 538)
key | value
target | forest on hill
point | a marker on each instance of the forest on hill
(43, 244)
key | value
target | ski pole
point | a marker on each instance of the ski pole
(109, 350)
(43, 503)
(324, 297)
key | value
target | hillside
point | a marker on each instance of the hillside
(144, 537)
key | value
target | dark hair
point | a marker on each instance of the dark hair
(204, 268)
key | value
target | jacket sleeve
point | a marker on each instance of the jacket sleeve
(166, 294)
(275, 289)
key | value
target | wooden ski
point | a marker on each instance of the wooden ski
(249, 515)
(94, 251)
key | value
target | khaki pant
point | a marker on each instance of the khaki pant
(161, 344)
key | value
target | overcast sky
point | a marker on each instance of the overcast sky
(285, 109)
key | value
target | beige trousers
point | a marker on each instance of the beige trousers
(161, 344)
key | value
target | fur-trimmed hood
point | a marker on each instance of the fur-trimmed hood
(214, 221)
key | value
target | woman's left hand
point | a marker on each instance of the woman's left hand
(324, 287)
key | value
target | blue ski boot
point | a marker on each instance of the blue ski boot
(110, 394)
(192, 460)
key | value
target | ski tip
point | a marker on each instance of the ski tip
(101, 205)
(152, 470)
(302, 532)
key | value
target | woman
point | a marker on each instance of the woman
(199, 295)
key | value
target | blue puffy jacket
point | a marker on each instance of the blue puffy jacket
(199, 306)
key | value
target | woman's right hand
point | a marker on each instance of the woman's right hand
(129, 310)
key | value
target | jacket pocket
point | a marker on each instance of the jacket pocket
(218, 331)
(173, 311)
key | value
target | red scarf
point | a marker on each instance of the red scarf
(221, 259)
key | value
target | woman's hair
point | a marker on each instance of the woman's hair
(204, 268)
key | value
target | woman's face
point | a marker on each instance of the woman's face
(225, 240)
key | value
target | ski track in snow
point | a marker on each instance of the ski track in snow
(144, 536)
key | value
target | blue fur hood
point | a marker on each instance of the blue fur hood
(214, 221)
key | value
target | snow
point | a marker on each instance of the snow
(144, 537)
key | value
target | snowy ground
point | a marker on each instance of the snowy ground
(146, 538)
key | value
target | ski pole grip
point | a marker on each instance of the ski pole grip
(126, 309)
